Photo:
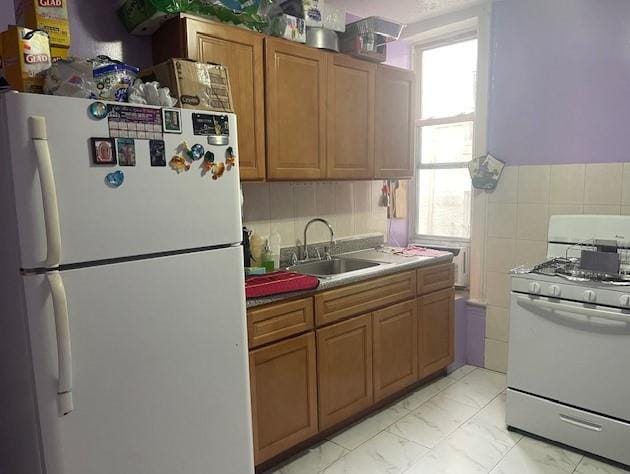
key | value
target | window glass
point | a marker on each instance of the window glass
(449, 143)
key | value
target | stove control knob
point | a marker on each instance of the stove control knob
(624, 300)
(554, 290)
(534, 287)
(589, 296)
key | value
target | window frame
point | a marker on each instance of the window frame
(418, 48)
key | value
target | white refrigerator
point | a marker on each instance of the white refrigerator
(123, 343)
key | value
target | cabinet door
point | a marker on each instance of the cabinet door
(344, 367)
(242, 53)
(350, 124)
(437, 313)
(296, 111)
(284, 395)
(395, 122)
(395, 348)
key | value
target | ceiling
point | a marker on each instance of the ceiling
(403, 11)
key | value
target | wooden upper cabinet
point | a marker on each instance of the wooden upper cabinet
(395, 122)
(344, 369)
(436, 330)
(284, 395)
(395, 348)
(296, 110)
(241, 52)
(350, 124)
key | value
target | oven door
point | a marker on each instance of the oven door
(574, 353)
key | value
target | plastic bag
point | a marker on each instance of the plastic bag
(113, 80)
(238, 12)
(150, 93)
(72, 78)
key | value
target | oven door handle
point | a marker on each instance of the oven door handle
(595, 313)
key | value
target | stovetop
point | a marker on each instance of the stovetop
(569, 269)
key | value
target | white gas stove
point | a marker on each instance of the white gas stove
(569, 355)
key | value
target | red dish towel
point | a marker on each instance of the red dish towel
(277, 283)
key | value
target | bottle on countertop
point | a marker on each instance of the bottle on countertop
(267, 257)
(274, 243)
(256, 247)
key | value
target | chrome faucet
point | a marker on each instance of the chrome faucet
(332, 237)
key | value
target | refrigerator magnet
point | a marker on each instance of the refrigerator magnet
(115, 179)
(157, 150)
(103, 151)
(171, 121)
(126, 151)
(230, 158)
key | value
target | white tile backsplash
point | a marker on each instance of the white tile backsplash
(533, 184)
(287, 207)
(567, 184)
(532, 221)
(603, 183)
(501, 220)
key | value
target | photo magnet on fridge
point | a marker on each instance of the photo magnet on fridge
(126, 151)
(103, 151)
(171, 121)
(157, 150)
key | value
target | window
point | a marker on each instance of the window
(445, 130)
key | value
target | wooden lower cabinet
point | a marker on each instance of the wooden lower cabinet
(344, 368)
(436, 316)
(284, 395)
(395, 348)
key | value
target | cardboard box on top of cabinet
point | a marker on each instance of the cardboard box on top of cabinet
(48, 15)
(195, 85)
(26, 55)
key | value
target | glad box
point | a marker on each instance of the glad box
(26, 55)
(48, 15)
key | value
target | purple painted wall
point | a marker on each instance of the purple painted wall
(96, 29)
(560, 81)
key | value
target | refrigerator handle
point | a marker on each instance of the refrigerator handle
(39, 135)
(64, 350)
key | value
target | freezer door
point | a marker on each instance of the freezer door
(159, 367)
(155, 210)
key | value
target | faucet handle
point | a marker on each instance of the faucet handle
(318, 254)
(327, 254)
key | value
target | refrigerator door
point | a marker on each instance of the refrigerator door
(154, 210)
(158, 367)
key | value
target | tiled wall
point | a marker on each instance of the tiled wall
(350, 207)
(517, 221)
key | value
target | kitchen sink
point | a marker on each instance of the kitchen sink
(328, 268)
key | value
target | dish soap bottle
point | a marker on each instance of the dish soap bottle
(267, 257)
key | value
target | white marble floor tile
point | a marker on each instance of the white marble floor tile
(385, 453)
(477, 388)
(593, 466)
(369, 427)
(312, 460)
(423, 394)
(531, 456)
(433, 421)
(462, 452)
(461, 372)
(489, 423)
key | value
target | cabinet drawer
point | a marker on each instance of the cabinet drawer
(436, 278)
(274, 322)
(340, 303)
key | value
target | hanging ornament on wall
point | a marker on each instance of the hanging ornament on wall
(485, 171)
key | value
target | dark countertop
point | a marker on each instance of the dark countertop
(390, 264)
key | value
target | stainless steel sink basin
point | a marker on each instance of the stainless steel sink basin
(328, 268)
